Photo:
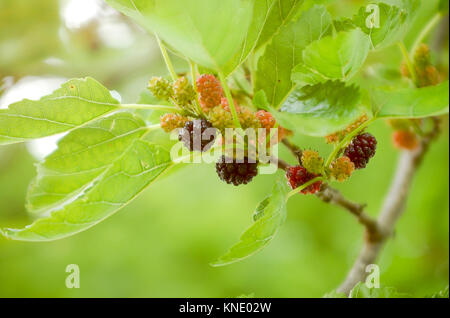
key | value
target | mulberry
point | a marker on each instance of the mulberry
(170, 122)
(298, 176)
(221, 119)
(236, 173)
(405, 139)
(160, 88)
(198, 135)
(248, 119)
(184, 92)
(361, 149)
(312, 161)
(342, 168)
(210, 91)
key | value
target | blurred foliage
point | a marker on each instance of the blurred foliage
(161, 245)
(28, 32)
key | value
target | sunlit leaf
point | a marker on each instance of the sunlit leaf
(273, 74)
(209, 32)
(394, 21)
(76, 103)
(281, 14)
(82, 157)
(129, 175)
(332, 58)
(261, 11)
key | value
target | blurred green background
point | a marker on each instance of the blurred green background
(162, 243)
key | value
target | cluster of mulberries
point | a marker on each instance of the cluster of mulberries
(196, 124)
(182, 93)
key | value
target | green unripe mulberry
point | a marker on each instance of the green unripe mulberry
(220, 118)
(184, 92)
(160, 88)
(312, 161)
(342, 168)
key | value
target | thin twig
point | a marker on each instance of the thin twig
(166, 58)
(296, 151)
(283, 165)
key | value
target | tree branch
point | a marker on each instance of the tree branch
(283, 165)
(391, 211)
(296, 151)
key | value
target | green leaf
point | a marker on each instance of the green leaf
(320, 109)
(140, 165)
(76, 103)
(260, 100)
(261, 12)
(332, 58)
(362, 291)
(273, 74)
(260, 209)
(343, 24)
(394, 22)
(209, 32)
(411, 102)
(281, 14)
(82, 157)
(272, 213)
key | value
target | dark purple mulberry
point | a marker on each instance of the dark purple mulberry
(236, 173)
(361, 149)
(198, 135)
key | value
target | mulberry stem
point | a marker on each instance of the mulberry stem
(425, 31)
(194, 83)
(409, 63)
(304, 186)
(226, 89)
(167, 59)
(152, 107)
